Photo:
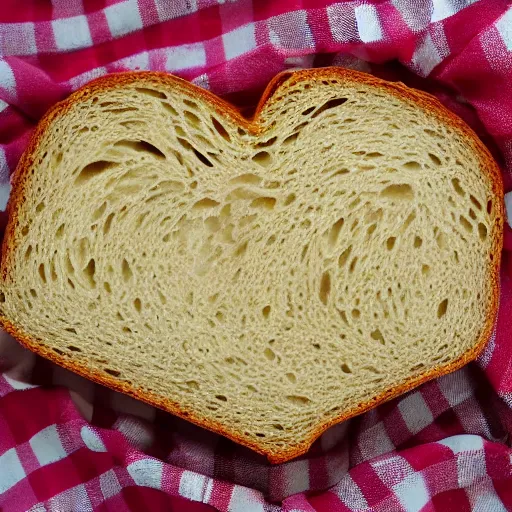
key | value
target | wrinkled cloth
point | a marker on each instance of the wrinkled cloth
(67, 444)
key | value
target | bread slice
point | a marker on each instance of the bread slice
(263, 278)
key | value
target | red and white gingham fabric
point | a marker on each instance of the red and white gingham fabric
(69, 445)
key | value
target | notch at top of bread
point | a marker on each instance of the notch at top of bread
(263, 278)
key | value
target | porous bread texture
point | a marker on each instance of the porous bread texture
(266, 278)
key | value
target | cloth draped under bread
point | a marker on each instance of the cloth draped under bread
(69, 445)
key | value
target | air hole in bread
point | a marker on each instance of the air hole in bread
(390, 243)
(441, 240)
(137, 304)
(126, 270)
(298, 400)
(42, 273)
(325, 287)
(291, 377)
(114, 373)
(205, 203)
(202, 158)
(246, 179)
(190, 103)
(442, 308)
(412, 165)
(221, 398)
(89, 273)
(58, 351)
(33, 292)
(72, 348)
(334, 232)
(269, 354)
(192, 119)
(335, 102)
(472, 214)
(345, 368)
(265, 203)
(398, 192)
(266, 143)
(151, 93)
(108, 223)
(290, 139)
(435, 159)
(93, 170)
(466, 224)
(353, 264)
(262, 158)
(418, 242)
(476, 202)
(169, 109)
(457, 187)
(482, 231)
(141, 146)
(377, 336)
(220, 129)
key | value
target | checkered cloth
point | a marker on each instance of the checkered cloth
(69, 445)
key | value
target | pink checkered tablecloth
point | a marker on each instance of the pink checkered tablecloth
(69, 445)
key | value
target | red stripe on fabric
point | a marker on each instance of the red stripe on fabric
(426, 455)
(19, 498)
(42, 10)
(318, 473)
(29, 411)
(372, 487)
(32, 10)
(452, 501)
(89, 464)
(328, 501)
(504, 491)
(98, 27)
(234, 15)
(396, 30)
(168, 34)
(221, 495)
(54, 478)
(470, 21)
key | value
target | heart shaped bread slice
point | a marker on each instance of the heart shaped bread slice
(263, 278)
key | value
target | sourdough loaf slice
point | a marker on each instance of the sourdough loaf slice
(263, 278)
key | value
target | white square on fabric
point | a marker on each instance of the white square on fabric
(72, 33)
(245, 500)
(412, 493)
(415, 412)
(508, 204)
(109, 484)
(146, 472)
(192, 485)
(350, 493)
(368, 23)
(92, 440)
(18, 39)
(7, 80)
(291, 30)
(463, 443)
(4, 195)
(296, 476)
(11, 470)
(504, 27)
(47, 446)
(185, 57)
(123, 18)
(239, 41)
(375, 441)
(342, 22)
(456, 387)
(139, 61)
(426, 57)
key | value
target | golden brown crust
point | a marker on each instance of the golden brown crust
(281, 81)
